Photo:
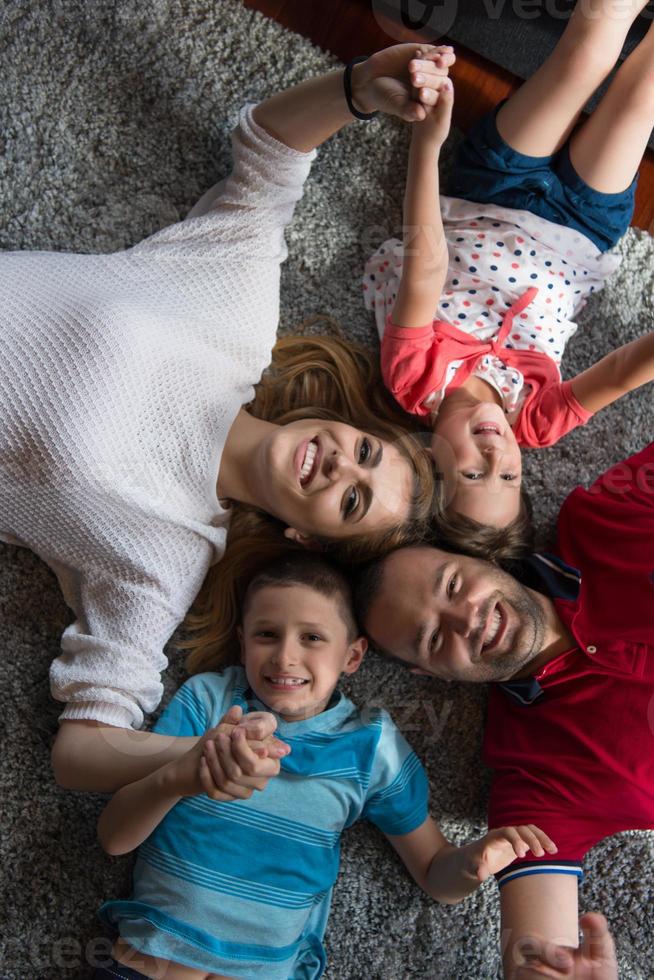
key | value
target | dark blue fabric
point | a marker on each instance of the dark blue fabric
(488, 171)
(114, 969)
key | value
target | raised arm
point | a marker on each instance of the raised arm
(306, 115)
(425, 249)
(615, 375)
(543, 905)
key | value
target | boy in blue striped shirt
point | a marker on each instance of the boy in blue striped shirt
(242, 889)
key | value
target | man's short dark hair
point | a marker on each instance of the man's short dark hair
(367, 585)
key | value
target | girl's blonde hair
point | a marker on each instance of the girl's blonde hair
(309, 377)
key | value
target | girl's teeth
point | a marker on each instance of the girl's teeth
(310, 455)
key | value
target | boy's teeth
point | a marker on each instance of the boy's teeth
(287, 681)
(309, 457)
(495, 625)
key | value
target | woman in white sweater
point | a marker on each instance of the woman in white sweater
(123, 437)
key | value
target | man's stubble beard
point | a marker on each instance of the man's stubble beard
(526, 642)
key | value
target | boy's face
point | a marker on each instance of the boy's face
(476, 451)
(294, 647)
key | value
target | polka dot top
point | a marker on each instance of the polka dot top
(495, 255)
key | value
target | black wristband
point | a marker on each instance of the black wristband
(347, 85)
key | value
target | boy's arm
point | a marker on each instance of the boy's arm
(449, 873)
(136, 809)
(425, 249)
(616, 374)
(306, 115)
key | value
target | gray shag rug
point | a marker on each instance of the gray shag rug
(114, 119)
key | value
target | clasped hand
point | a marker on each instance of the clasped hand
(410, 81)
(231, 760)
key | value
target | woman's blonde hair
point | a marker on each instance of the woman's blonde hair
(318, 377)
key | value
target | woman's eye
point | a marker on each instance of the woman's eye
(351, 502)
(451, 586)
(313, 637)
(508, 476)
(265, 634)
(472, 476)
(365, 449)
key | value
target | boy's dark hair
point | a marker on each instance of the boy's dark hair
(312, 571)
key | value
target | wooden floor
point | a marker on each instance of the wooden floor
(348, 27)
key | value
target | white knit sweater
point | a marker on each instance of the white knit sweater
(120, 376)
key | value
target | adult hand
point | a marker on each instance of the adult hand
(241, 755)
(594, 960)
(500, 847)
(402, 80)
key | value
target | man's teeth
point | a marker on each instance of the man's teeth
(307, 465)
(287, 681)
(494, 626)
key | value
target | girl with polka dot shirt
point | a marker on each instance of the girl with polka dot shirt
(476, 306)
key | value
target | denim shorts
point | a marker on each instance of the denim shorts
(488, 171)
(114, 970)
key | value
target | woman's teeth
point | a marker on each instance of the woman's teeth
(494, 627)
(309, 458)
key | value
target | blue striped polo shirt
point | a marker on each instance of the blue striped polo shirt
(244, 888)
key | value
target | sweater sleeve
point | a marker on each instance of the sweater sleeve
(112, 654)
(248, 211)
(409, 365)
(549, 414)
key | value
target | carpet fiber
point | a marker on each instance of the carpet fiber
(114, 118)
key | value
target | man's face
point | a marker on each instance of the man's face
(454, 617)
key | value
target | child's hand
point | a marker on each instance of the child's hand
(437, 100)
(594, 960)
(386, 82)
(499, 848)
(241, 757)
(231, 760)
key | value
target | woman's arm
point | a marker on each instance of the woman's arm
(425, 249)
(306, 115)
(97, 758)
(449, 873)
(615, 375)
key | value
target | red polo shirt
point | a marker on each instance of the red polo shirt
(573, 749)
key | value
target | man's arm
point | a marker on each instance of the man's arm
(543, 905)
(306, 115)
(425, 249)
(615, 375)
(593, 960)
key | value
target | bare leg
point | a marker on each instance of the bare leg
(539, 118)
(606, 151)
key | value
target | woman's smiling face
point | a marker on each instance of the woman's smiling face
(331, 480)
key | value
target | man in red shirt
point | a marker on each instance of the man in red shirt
(568, 640)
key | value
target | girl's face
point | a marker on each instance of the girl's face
(331, 480)
(476, 451)
(294, 647)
